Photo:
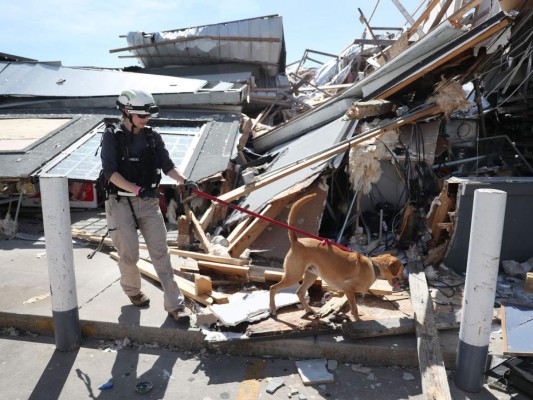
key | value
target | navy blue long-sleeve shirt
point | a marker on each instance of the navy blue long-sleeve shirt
(111, 153)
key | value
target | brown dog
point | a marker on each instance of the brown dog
(349, 272)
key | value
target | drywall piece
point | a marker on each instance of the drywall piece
(517, 325)
(314, 372)
(274, 385)
(251, 306)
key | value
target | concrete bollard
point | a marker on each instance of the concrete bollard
(480, 287)
(60, 259)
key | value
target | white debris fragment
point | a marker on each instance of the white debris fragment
(361, 369)
(35, 299)
(274, 384)
(332, 365)
(408, 376)
(371, 377)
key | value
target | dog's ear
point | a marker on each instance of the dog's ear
(395, 266)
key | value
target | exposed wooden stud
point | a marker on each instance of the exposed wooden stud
(422, 18)
(200, 234)
(463, 10)
(440, 14)
(241, 226)
(256, 227)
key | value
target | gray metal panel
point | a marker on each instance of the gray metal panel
(23, 79)
(517, 240)
(298, 149)
(215, 149)
(203, 50)
(300, 125)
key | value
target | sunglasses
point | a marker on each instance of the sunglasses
(143, 116)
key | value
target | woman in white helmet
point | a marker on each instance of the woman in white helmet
(133, 156)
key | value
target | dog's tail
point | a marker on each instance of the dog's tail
(293, 214)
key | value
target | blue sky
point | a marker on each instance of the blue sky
(81, 32)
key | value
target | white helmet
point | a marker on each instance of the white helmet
(137, 102)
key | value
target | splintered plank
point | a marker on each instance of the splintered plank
(434, 378)
(202, 284)
(395, 326)
(206, 257)
(289, 321)
(198, 230)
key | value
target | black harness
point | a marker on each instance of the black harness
(150, 173)
(152, 179)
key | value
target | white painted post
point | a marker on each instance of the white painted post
(60, 259)
(480, 287)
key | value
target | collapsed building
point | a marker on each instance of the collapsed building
(394, 134)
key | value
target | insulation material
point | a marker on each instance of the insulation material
(450, 97)
(8, 227)
(364, 159)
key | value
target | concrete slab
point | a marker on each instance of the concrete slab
(314, 372)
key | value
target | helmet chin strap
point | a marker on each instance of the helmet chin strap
(130, 118)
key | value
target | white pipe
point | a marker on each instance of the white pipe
(60, 260)
(480, 287)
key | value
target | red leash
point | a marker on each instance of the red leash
(323, 241)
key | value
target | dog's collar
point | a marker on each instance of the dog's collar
(377, 272)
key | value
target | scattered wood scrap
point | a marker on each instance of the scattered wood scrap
(187, 287)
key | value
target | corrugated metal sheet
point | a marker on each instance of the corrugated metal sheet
(25, 79)
(256, 40)
(44, 86)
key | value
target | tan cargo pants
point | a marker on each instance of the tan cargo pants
(121, 225)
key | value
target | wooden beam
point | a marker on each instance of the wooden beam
(434, 378)
(463, 10)
(325, 155)
(186, 287)
(202, 284)
(422, 17)
(257, 226)
(205, 257)
(439, 214)
(407, 16)
(200, 234)
(225, 268)
(241, 226)
(440, 14)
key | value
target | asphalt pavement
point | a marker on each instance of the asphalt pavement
(126, 345)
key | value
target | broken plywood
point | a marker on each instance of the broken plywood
(517, 325)
(253, 306)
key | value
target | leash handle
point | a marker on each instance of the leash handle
(323, 241)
